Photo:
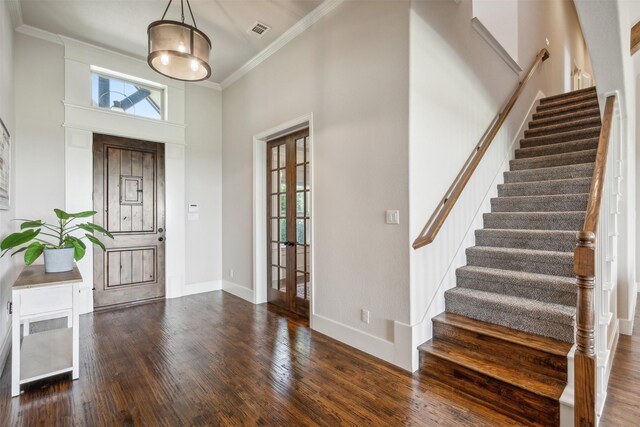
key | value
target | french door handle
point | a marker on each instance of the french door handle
(289, 243)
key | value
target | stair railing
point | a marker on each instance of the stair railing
(593, 266)
(435, 222)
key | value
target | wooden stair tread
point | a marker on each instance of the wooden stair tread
(535, 383)
(537, 342)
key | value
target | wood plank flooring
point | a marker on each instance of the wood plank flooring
(622, 407)
(214, 359)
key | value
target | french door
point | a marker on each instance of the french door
(288, 222)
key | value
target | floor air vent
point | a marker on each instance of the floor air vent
(259, 29)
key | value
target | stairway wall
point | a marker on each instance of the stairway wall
(458, 83)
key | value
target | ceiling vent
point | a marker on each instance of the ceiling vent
(259, 29)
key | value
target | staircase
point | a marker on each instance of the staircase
(510, 322)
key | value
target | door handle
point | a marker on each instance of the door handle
(290, 243)
(161, 239)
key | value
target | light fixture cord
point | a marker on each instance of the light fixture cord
(181, 12)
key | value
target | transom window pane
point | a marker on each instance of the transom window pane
(128, 97)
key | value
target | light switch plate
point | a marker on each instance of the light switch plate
(393, 217)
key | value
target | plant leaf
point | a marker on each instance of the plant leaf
(20, 250)
(99, 229)
(61, 214)
(95, 241)
(32, 253)
(85, 227)
(31, 224)
(83, 214)
(16, 239)
(79, 248)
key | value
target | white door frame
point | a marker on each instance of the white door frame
(260, 205)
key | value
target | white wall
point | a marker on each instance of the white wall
(500, 18)
(54, 163)
(452, 104)
(350, 70)
(203, 185)
(8, 268)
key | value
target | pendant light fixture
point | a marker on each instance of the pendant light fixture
(178, 50)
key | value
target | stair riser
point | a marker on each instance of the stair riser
(569, 100)
(589, 105)
(520, 321)
(557, 203)
(587, 156)
(520, 290)
(503, 352)
(497, 395)
(563, 118)
(547, 188)
(553, 267)
(562, 127)
(556, 138)
(563, 172)
(558, 244)
(561, 148)
(570, 222)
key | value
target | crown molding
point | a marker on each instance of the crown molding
(293, 32)
(209, 84)
(15, 12)
(28, 30)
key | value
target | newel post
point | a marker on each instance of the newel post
(585, 357)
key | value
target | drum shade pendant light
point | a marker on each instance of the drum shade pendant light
(179, 50)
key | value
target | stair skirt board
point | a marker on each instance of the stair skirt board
(509, 323)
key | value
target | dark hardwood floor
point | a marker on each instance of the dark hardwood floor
(214, 359)
(622, 407)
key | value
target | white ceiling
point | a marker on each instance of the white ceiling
(121, 25)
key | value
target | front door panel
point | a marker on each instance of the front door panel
(129, 199)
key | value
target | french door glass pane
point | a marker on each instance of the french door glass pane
(283, 205)
(283, 230)
(274, 157)
(300, 203)
(274, 277)
(300, 150)
(283, 155)
(283, 180)
(300, 231)
(300, 177)
(274, 181)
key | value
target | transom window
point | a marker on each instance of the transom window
(118, 93)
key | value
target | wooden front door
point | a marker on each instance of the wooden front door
(288, 222)
(128, 194)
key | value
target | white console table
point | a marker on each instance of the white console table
(41, 296)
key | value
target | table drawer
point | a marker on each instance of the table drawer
(43, 300)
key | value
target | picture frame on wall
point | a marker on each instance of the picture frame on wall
(5, 166)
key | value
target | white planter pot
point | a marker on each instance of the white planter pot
(58, 260)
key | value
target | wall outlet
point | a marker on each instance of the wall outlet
(364, 316)
(392, 217)
(231, 273)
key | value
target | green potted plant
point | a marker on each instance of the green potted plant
(59, 255)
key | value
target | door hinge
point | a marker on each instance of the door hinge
(10, 307)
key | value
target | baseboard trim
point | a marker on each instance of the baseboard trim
(5, 347)
(370, 344)
(238, 290)
(198, 288)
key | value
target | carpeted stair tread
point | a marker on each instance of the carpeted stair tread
(559, 148)
(529, 380)
(544, 240)
(545, 203)
(572, 221)
(573, 158)
(589, 104)
(561, 118)
(527, 260)
(542, 188)
(573, 93)
(568, 100)
(565, 136)
(527, 315)
(574, 124)
(581, 170)
(535, 286)
(536, 342)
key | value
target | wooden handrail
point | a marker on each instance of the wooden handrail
(431, 228)
(584, 267)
